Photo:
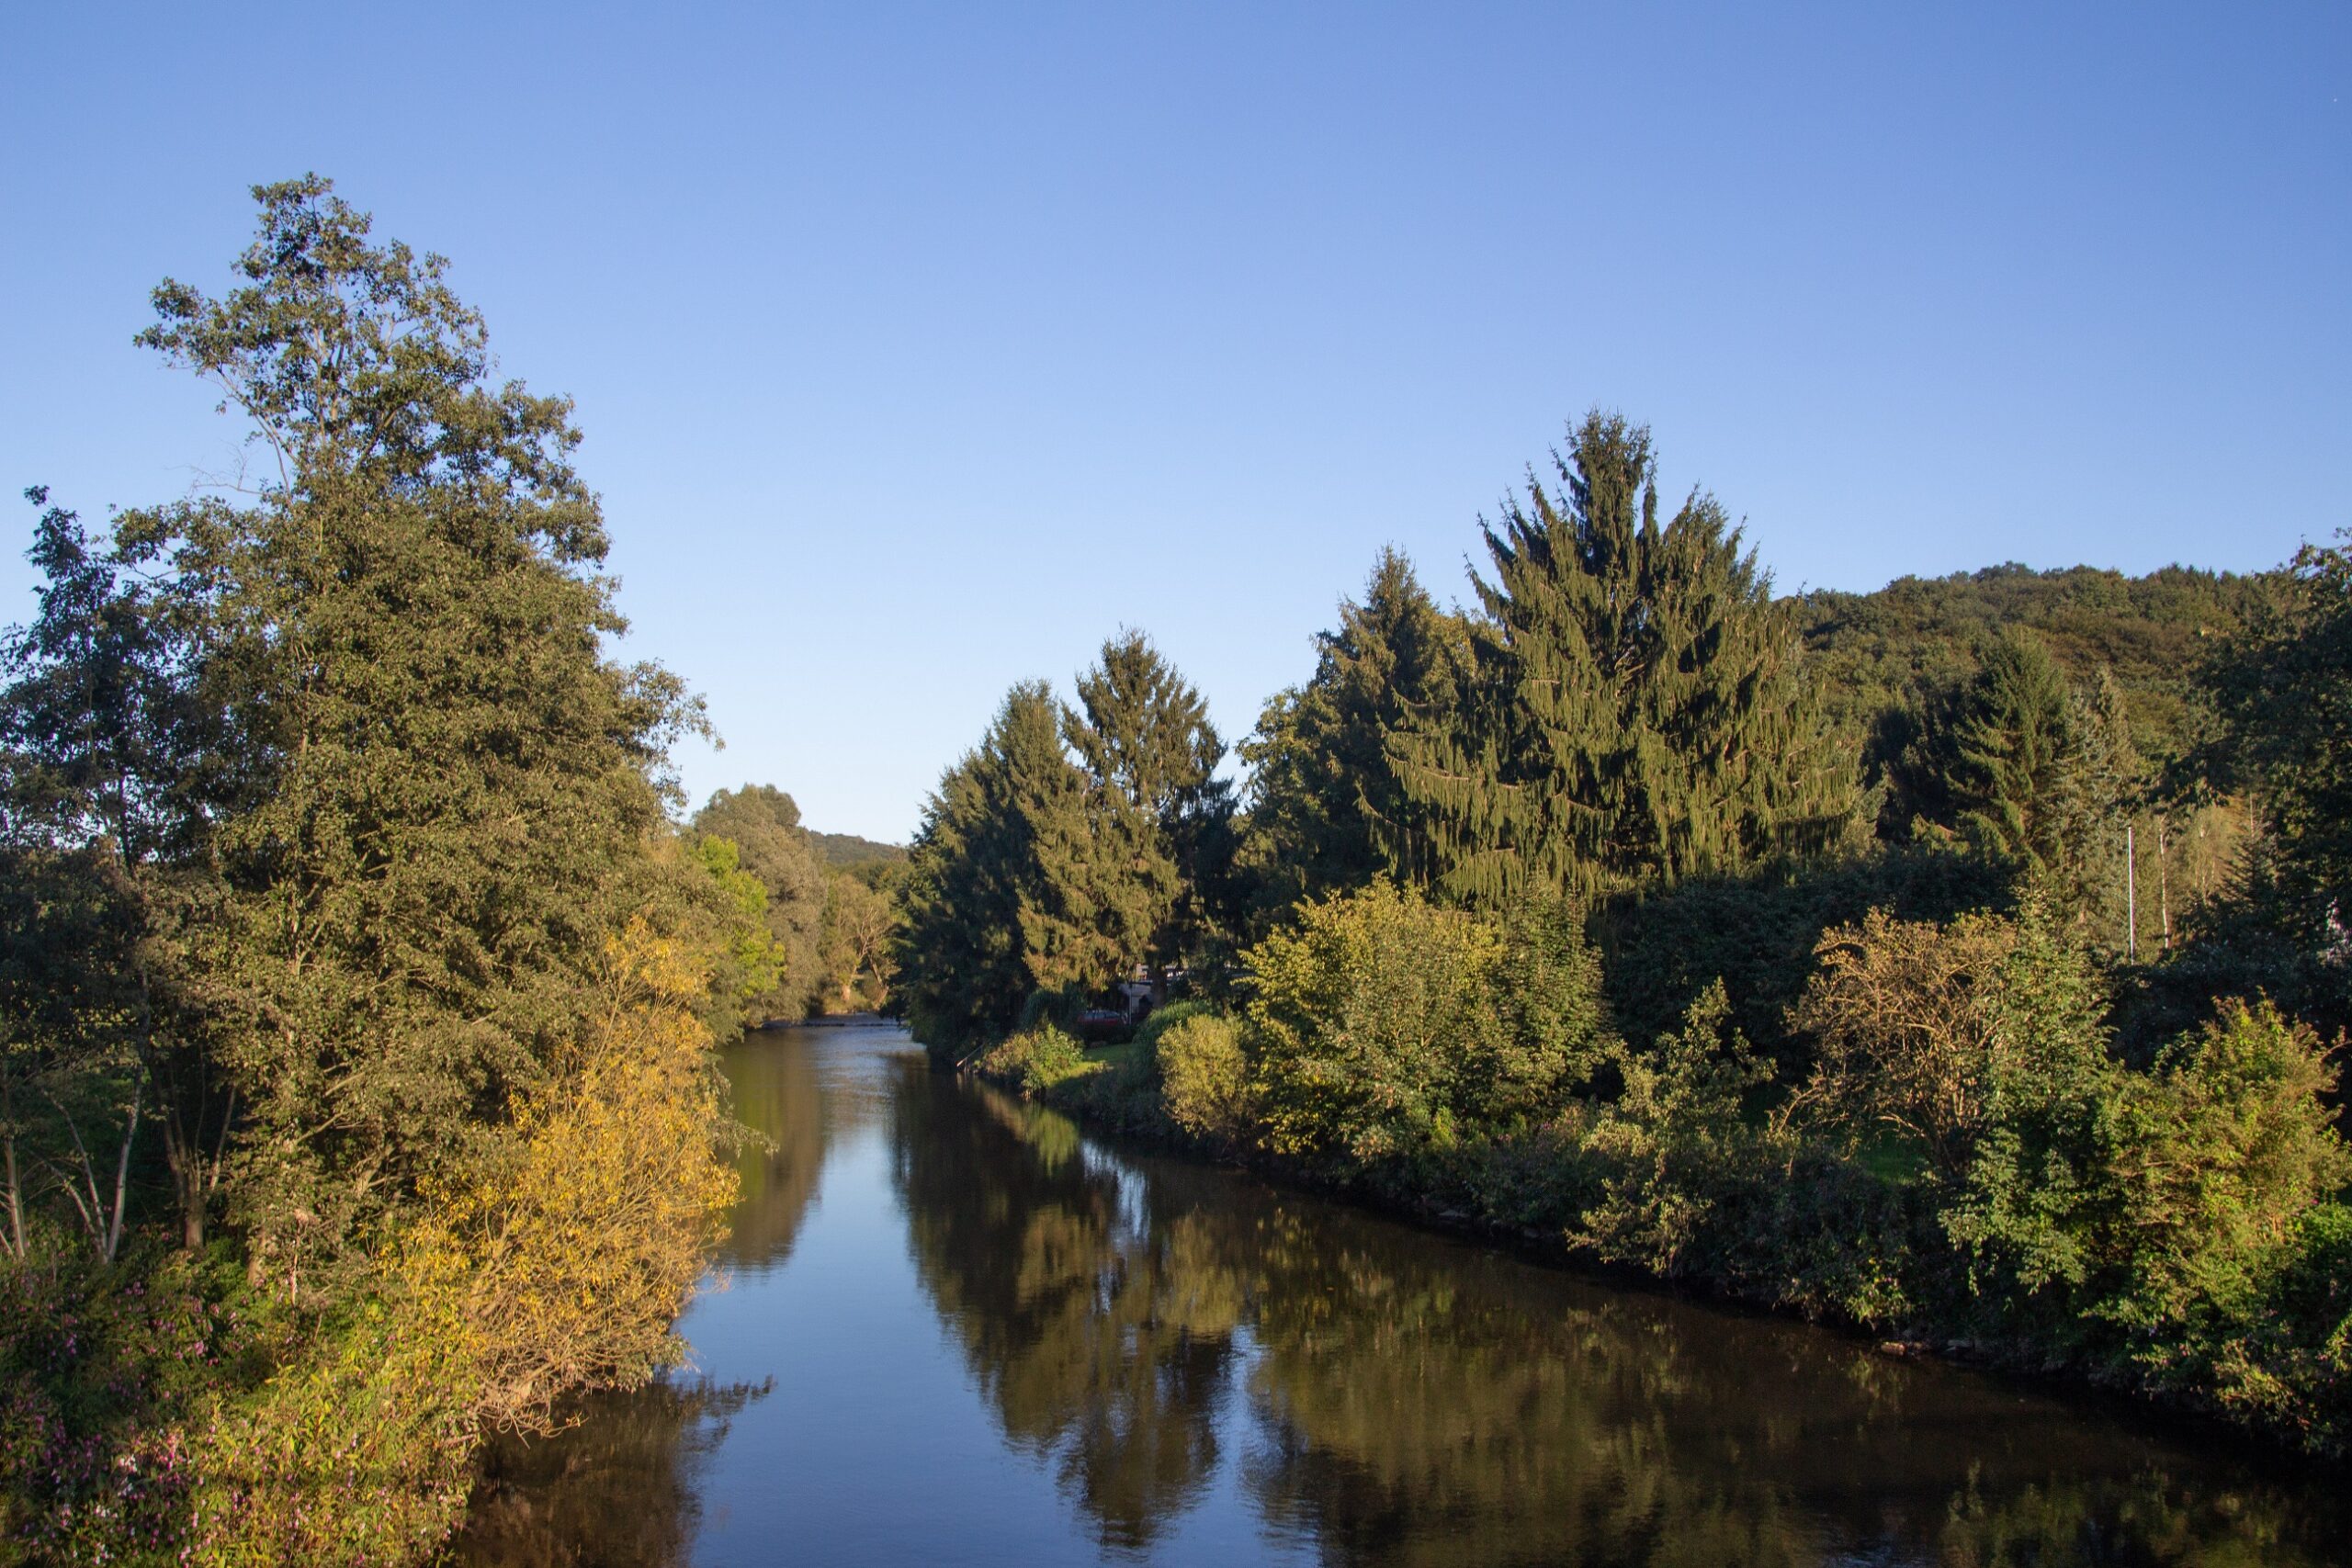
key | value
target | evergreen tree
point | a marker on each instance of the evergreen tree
(1328, 812)
(2116, 811)
(1159, 819)
(2283, 690)
(2018, 759)
(1634, 711)
(1000, 889)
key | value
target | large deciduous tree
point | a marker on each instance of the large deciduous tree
(763, 823)
(1633, 710)
(442, 789)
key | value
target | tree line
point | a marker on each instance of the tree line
(356, 990)
(1962, 961)
(821, 908)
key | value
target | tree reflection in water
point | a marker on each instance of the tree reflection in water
(1415, 1400)
(618, 1489)
(776, 1095)
(1179, 1344)
(1102, 1336)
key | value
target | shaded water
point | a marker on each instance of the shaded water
(958, 1331)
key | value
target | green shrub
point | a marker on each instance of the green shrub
(1673, 1143)
(2291, 1369)
(1551, 1012)
(1036, 1060)
(1386, 1026)
(1825, 1235)
(2221, 1155)
(361, 1451)
(1204, 1080)
(1366, 1015)
(1162, 1019)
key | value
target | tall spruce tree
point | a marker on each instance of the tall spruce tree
(1001, 889)
(1159, 818)
(2018, 758)
(1327, 810)
(1633, 710)
(2283, 690)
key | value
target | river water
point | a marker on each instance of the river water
(953, 1329)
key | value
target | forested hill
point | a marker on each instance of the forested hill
(1918, 636)
(848, 850)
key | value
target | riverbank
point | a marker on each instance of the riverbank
(1038, 1345)
(1744, 1211)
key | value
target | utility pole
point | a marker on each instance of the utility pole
(2131, 899)
(2164, 877)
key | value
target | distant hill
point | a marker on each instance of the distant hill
(1873, 651)
(848, 850)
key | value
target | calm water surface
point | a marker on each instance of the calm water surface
(955, 1330)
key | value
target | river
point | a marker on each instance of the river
(950, 1328)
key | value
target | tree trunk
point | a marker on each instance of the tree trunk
(183, 1156)
(122, 1169)
(15, 1188)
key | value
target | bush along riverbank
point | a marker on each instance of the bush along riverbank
(1957, 962)
(1972, 1157)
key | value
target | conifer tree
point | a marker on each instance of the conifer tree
(1328, 812)
(2018, 772)
(1632, 711)
(2283, 690)
(1159, 819)
(1001, 893)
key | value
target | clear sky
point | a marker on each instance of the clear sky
(918, 349)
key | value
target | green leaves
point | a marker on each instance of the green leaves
(765, 824)
(1384, 1024)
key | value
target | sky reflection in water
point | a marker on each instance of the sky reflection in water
(956, 1330)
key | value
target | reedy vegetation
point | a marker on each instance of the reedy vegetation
(355, 1027)
(1957, 962)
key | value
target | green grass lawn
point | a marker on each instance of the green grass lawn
(1114, 1057)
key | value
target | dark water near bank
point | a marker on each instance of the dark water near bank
(958, 1331)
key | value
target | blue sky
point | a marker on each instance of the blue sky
(919, 348)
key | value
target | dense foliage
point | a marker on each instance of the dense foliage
(1075, 847)
(359, 993)
(1633, 710)
(1964, 961)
